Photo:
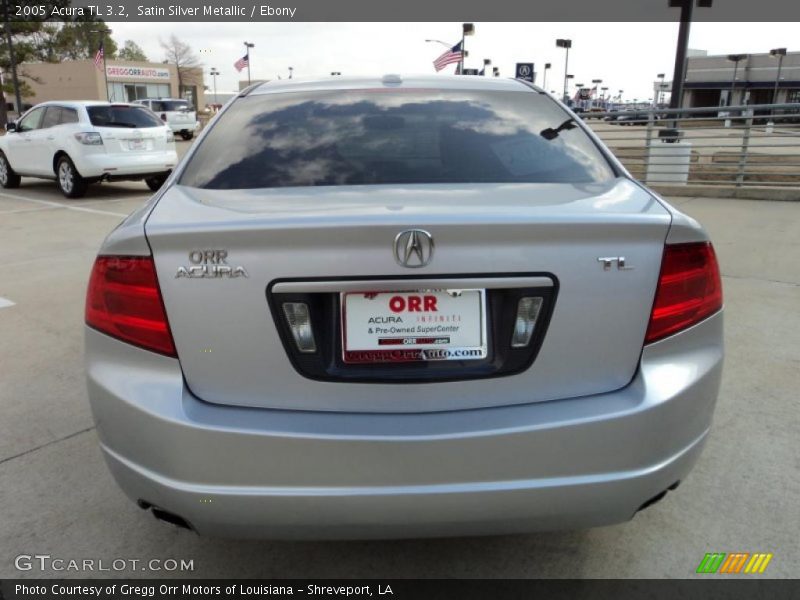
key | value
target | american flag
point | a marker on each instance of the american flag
(452, 55)
(242, 63)
(98, 58)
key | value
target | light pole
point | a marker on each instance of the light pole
(679, 73)
(214, 74)
(780, 53)
(603, 97)
(544, 77)
(596, 82)
(567, 77)
(247, 46)
(486, 63)
(736, 59)
(660, 87)
(291, 72)
(566, 44)
(619, 97)
(103, 33)
(335, 73)
(466, 29)
(496, 71)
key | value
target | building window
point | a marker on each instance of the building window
(128, 92)
(793, 96)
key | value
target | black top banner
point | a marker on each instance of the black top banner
(406, 11)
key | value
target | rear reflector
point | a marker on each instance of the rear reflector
(124, 301)
(689, 289)
(527, 312)
(299, 320)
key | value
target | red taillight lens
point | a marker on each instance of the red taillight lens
(689, 289)
(124, 301)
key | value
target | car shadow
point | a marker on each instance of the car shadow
(507, 556)
(95, 192)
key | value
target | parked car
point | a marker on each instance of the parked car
(632, 117)
(177, 113)
(83, 142)
(393, 307)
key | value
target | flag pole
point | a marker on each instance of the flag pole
(248, 45)
(105, 71)
(460, 69)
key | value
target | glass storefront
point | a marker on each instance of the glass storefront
(128, 92)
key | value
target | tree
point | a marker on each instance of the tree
(37, 40)
(78, 40)
(132, 51)
(181, 55)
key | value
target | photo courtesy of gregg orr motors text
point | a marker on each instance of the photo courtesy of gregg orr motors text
(186, 589)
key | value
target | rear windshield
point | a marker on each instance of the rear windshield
(394, 137)
(170, 106)
(122, 116)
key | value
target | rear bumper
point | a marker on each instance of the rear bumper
(180, 127)
(246, 472)
(123, 165)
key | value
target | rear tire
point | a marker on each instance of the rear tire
(8, 177)
(69, 181)
(155, 183)
(187, 135)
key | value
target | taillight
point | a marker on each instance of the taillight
(124, 301)
(89, 138)
(689, 289)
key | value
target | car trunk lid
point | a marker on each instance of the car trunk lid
(229, 340)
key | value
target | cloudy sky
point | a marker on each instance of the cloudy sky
(625, 56)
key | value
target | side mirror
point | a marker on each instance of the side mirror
(11, 126)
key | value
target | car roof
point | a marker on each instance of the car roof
(429, 82)
(81, 103)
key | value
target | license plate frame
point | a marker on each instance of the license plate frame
(432, 338)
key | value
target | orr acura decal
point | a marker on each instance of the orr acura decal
(210, 264)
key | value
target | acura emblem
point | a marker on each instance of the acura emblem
(413, 248)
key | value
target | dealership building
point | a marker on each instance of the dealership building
(122, 82)
(710, 79)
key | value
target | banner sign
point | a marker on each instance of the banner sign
(525, 71)
(119, 72)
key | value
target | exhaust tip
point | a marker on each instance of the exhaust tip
(172, 519)
(658, 497)
(165, 515)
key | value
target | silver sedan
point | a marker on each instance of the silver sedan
(394, 307)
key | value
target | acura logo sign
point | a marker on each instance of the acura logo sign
(413, 248)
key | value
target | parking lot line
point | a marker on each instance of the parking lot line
(5, 302)
(57, 205)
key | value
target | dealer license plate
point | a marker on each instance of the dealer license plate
(137, 145)
(380, 327)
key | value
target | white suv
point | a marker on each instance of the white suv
(178, 114)
(78, 143)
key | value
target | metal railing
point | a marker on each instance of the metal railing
(740, 146)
